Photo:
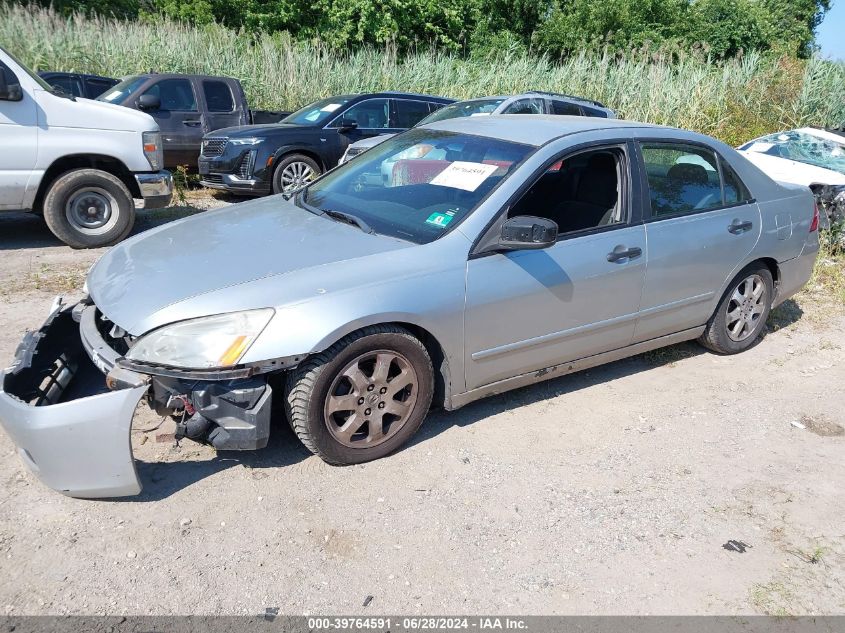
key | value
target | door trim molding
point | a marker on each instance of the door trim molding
(551, 337)
(555, 371)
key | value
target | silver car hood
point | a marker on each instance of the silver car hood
(178, 263)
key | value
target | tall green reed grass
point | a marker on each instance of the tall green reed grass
(733, 100)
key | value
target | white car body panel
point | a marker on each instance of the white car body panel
(43, 127)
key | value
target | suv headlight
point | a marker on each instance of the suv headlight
(152, 149)
(206, 343)
(245, 141)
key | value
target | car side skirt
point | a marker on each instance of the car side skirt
(555, 371)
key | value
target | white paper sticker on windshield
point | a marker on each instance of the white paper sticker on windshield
(463, 175)
(760, 147)
(330, 108)
(114, 94)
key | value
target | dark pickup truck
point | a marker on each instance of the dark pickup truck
(186, 107)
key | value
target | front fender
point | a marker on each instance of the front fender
(431, 302)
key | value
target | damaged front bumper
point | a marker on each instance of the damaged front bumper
(68, 402)
(70, 430)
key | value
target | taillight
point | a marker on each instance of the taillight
(814, 225)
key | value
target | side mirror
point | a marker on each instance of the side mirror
(9, 92)
(528, 232)
(347, 125)
(149, 102)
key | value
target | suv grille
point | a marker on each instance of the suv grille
(216, 179)
(212, 147)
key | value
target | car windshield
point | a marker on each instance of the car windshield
(40, 81)
(317, 112)
(122, 90)
(416, 185)
(802, 147)
(464, 108)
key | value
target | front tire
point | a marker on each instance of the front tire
(740, 317)
(89, 208)
(294, 172)
(362, 398)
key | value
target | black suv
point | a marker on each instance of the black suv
(262, 159)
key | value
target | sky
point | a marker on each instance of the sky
(829, 35)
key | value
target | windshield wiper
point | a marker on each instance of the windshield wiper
(342, 216)
(338, 216)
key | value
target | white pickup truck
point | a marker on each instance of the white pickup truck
(77, 162)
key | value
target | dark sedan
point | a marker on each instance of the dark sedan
(263, 159)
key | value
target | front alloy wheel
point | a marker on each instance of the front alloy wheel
(371, 399)
(293, 172)
(363, 397)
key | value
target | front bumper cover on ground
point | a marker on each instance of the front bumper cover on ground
(69, 429)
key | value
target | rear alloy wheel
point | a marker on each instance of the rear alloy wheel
(293, 173)
(741, 316)
(363, 397)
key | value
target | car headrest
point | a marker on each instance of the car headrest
(688, 173)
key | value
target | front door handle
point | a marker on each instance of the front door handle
(621, 252)
(737, 226)
(192, 122)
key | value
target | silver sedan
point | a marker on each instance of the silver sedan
(494, 252)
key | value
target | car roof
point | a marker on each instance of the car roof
(536, 129)
(409, 95)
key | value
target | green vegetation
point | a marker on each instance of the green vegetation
(557, 27)
(734, 99)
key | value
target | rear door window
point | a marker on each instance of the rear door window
(70, 85)
(175, 95)
(682, 179)
(559, 106)
(409, 113)
(218, 96)
(96, 87)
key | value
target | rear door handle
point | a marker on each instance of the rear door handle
(192, 122)
(736, 227)
(620, 252)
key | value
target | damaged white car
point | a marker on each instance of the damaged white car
(807, 156)
(454, 261)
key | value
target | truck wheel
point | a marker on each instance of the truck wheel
(741, 315)
(88, 208)
(294, 172)
(363, 397)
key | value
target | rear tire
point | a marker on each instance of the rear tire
(293, 172)
(89, 208)
(363, 397)
(740, 317)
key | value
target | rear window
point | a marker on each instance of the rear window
(218, 96)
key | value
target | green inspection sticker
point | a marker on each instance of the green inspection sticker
(440, 219)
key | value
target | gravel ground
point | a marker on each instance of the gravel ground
(677, 482)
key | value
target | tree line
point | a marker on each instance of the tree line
(718, 28)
